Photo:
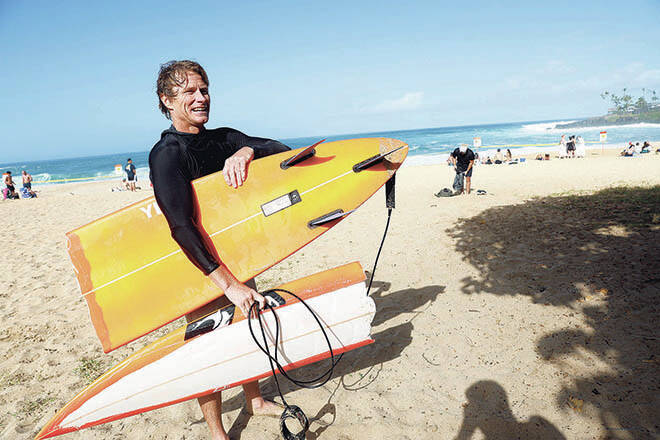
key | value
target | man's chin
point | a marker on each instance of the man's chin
(199, 120)
(202, 119)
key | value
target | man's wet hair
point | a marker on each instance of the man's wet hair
(173, 74)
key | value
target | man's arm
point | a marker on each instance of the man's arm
(175, 197)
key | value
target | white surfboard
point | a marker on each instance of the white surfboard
(218, 352)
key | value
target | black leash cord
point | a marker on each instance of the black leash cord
(382, 242)
(291, 411)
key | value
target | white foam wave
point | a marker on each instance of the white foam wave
(598, 128)
(41, 177)
(426, 159)
(543, 127)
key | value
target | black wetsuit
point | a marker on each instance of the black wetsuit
(179, 158)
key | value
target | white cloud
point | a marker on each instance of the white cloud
(634, 76)
(409, 101)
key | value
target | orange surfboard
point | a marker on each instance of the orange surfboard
(134, 276)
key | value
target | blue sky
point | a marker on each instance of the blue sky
(79, 77)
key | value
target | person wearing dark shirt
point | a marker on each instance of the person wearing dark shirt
(187, 151)
(130, 174)
(463, 160)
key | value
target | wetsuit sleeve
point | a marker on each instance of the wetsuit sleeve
(262, 147)
(174, 194)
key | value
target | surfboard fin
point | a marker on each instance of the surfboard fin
(217, 319)
(373, 160)
(273, 298)
(300, 156)
(327, 218)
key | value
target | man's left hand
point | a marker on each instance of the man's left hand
(236, 167)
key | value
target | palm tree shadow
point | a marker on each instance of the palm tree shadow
(598, 256)
(487, 410)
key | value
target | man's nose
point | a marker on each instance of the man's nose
(199, 96)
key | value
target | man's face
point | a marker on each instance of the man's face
(189, 107)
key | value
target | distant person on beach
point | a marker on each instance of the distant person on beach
(130, 174)
(509, 156)
(11, 188)
(580, 148)
(187, 151)
(628, 151)
(646, 147)
(27, 183)
(570, 147)
(463, 160)
(562, 147)
(498, 157)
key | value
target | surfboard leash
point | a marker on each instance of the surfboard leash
(290, 411)
(293, 411)
(389, 204)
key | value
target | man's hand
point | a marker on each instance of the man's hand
(236, 167)
(238, 293)
(243, 297)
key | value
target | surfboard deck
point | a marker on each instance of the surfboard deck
(134, 276)
(183, 365)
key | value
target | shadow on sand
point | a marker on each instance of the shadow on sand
(388, 345)
(488, 410)
(597, 255)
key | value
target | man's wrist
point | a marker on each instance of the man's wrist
(248, 152)
(222, 277)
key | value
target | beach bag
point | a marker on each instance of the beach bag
(444, 192)
(458, 182)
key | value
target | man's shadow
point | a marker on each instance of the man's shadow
(487, 410)
(388, 345)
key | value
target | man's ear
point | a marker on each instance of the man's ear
(166, 102)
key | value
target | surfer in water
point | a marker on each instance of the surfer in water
(188, 151)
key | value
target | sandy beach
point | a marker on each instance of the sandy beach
(528, 312)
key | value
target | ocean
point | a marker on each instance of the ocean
(429, 145)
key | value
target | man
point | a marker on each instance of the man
(130, 174)
(498, 157)
(463, 160)
(27, 182)
(11, 188)
(187, 151)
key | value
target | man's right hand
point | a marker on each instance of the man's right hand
(238, 293)
(243, 297)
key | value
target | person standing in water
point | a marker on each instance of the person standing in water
(188, 151)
